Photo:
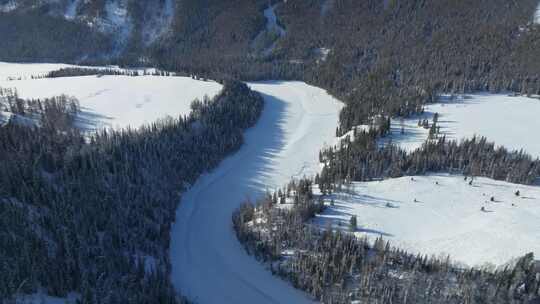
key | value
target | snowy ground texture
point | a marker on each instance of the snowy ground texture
(27, 70)
(510, 121)
(114, 101)
(446, 218)
(296, 122)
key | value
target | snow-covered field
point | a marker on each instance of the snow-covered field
(26, 70)
(446, 218)
(509, 121)
(209, 264)
(22, 71)
(116, 101)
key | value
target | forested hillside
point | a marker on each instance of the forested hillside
(37, 37)
(336, 267)
(92, 213)
(377, 56)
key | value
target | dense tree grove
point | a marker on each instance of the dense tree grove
(336, 267)
(36, 36)
(363, 160)
(72, 71)
(92, 213)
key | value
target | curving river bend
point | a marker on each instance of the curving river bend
(208, 263)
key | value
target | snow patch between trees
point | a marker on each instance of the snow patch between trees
(504, 119)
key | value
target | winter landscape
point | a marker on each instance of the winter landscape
(474, 114)
(120, 101)
(176, 152)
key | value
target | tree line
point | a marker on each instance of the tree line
(363, 159)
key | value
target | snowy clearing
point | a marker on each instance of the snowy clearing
(27, 70)
(297, 121)
(503, 119)
(446, 218)
(121, 101)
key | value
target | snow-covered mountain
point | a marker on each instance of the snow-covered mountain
(121, 19)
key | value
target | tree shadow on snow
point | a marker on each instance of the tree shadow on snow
(88, 120)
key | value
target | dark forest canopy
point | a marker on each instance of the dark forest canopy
(384, 57)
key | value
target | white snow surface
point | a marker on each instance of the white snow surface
(120, 101)
(208, 263)
(446, 218)
(507, 120)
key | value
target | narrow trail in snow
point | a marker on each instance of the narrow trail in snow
(208, 263)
